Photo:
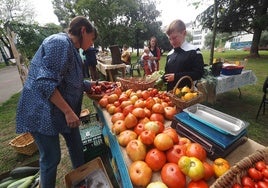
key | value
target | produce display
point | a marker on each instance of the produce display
(138, 121)
(102, 87)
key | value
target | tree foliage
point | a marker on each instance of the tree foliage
(118, 21)
(239, 15)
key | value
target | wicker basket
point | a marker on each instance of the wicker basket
(24, 144)
(181, 103)
(99, 96)
(236, 172)
(136, 83)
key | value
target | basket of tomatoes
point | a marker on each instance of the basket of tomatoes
(185, 96)
(252, 171)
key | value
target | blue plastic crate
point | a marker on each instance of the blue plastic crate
(231, 70)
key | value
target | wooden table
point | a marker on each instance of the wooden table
(107, 69)
(119, 152)
(225, 83)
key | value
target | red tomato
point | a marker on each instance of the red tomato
(173, 134)
(157, 117)
(255, 174)
(209, 171)
(197, 184)
(175, 153)
(196, 150)
(237, 185)
(155, 159)
(172, 176)
(147, 137)
(247, 181)
(260, 165)
(139, 128)
(265, 172)
(262, 184)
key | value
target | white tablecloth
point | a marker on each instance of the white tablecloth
(227, 83)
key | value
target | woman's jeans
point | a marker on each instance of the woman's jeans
(50, 154)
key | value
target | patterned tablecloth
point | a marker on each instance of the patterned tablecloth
(105, 67)
(230, 82)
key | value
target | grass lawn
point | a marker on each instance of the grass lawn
(244, 108)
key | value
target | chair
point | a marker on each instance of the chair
(264, 98)
(116, 54)
(136, 67)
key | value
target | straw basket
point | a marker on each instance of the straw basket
(182, 103)
(136, 83)
(99, 96)
(24, 144)
(236, 172)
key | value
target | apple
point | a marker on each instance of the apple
(147, 137)
(140, 173)
(163, 142)
(192, 167)
(131, 121)
(169, 112)
(157, 184)
(172, 176)
(117, 116)
(118, 127)
(175, 153)
(125, 137)
(136, 150)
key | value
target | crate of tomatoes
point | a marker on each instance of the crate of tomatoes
(252, 171)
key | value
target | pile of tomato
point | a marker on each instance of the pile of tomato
(256, 177)
(138, 121)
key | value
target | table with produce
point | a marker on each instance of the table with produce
(164, 146)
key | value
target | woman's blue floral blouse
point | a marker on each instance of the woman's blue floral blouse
(56, 64)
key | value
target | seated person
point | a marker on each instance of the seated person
(126, 57)
(149, 64)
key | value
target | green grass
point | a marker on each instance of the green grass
(229, 102)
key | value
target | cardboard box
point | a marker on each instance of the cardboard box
(91, 174)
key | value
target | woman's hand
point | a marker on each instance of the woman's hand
(72, 119)
(169, 77)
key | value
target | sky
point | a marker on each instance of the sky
(170, 10)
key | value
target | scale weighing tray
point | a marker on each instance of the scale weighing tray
(217, 137)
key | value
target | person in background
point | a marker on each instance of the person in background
(184, 59)
(149, 64)
(51, 99)
(91, 62)
(126, 57)
(83, 57)
(155, 50)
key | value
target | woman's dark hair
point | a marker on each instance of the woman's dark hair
(77, 23)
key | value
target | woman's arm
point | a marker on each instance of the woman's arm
(71, 118)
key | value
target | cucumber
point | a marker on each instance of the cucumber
(17, 183)
(6, 183)
(6, 179)
(24, 171)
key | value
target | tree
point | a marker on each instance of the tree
(239, 15)
(117, 21)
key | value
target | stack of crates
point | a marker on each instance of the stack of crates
(94, 145)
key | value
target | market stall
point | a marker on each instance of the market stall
(123, 161)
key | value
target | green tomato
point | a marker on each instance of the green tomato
(192, 167)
